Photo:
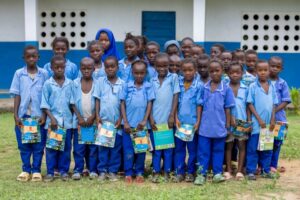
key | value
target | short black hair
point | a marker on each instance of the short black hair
(215, 61)
(56, 58)
(94, 42)
(112, 58)
(29, 47)
(60, 39)
(162, 55)
(250, 51)
(153, 43)
(189, 60)
(86, 58)
(187, 38)
(220, 46)
(139, 62)
(261, 61)
(199, 46)
(277, 58)
(143, 38)
(234, 63)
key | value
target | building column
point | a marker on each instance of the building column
(30, 17)
(199, 20)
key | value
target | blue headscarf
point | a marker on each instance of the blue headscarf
(112, 49)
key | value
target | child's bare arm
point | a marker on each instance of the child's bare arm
(228, 115)
(53, 122)
(97, 107)
(152, 122)
(199, 113)
(272, 122)
(281, 106)
(262, 124)
(123, 112)
(17, 101)
(173, 111)
(81, 121)
(143, 123)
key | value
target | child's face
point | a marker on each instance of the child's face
(262, 70)
(189, 71)
(173, 50)
(215, 72)
(162, 66)
(203, 68)
(151, 52)
(31, 57)
(226, 58)
(186, 48)
(87, 68)
(96, 52)
(141, 47)
(60, 48)
(235, 73)
(175, 64)
(139, 72)
(239, 57)
(215, 52)
(251, 60)
(58, 68)
(104, 40)
(275, 67)
(196, 52)
(130, 48)
(111, 68)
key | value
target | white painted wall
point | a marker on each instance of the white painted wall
(12, 20)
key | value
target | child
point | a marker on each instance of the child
(166, 88)
(142, 45)
(57, 99)
(186, 47)
(239, 56)
(172, 47)
(226, 58)
(240, 112)
(188, 113)
(202, 66)
(250, 73)
(108, 109)
(175, 63)
(216, 50)
(96, 51)
(27, 90)
(136, 104)
(60, 46)
(217, 99)
(108, 42)
(84, 117)
(152, 49)
(261, 100)
(197, 50)
(283, 95)
(131, 49)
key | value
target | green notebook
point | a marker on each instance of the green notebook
(163, 137)
(266, 140)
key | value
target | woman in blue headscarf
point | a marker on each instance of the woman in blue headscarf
(107, 40)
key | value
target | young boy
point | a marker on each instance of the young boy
(249, 75)
(84, 117)
(27, 90)
(239, 56)
(96, 51)
(188, 113)
(216, 101)
(136, 104)
(216, 50)
(197, 50)
(283, 95)
(202, 66)
(57, 99)
(226, 58)
(166, 88)
(152, 49)
(186, 47)
(175, 63)
(108, 109)
(261, 100)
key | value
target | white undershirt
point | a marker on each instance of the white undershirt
(86, 104)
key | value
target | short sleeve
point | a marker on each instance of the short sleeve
(199, 95)
(229, 98)
(251, 94)
(150, 92)
(72, 88)
(97, 90)
(45, 96)
(47, 67)
(75, 71)
(15, 85)
(123, 93)
(285, 94)
(274, 95)
(175, 83)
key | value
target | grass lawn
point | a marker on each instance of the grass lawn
(10, 167)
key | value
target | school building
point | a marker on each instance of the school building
(269, 26)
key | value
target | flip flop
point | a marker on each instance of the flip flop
(36, 177)
(239, 176)
(23, 177)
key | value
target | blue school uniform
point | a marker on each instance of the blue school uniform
(57, 99)
(71, 70)
(108, 95)
(225, 78)
(136, 100)
(188, 102)
(30, 91)
(239, 110)
(283, 95)
(125, 69)
(248, 78)
(97, 73)
(212, 131)
(263, 103)
(161, 110)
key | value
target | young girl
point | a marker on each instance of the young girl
(216, 50)
(283, 95)
(142, 45)
(166, 88)
(108, 109)
(27, 90)
(172, 47)
(96, 51)
(152, 49)
(136, 104)
(202, 67)
(107, 41)
(131, 49)
(188, 113)
(175, 64)
(239, 112)
(239, 56)
(84, 117)
(249, 75)
(197, 50)
(186, 47)
(261, 100)
(60, 46)
(217, 99)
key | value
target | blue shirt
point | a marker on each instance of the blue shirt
(239, 111)
(136, 100)
(29, 90)
(71, 70)
(283, 95)
(263, 103)
(225, 79)
(125, 69)
(188, 101)
(213, 120)
(151, 72)
(164, 93)
(248, 78)
(97, 73)
(57, 99)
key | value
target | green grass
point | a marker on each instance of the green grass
(10, 167)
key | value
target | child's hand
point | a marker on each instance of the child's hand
(141, 125)
(171, 122)
(90, 121)
(98, 121)
(196, 126)
(233, 122)
(177, 122)
(54, 124)
(81, 121)
(118, 124)
(272, 126)
(262, 124)
(42, 120)
(18, 122)
(127, 128)
(153, 126)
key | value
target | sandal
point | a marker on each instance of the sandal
(239, 176)
(36, 177)
(227, 175)
(23, 177)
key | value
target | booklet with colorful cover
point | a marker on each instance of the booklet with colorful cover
(163, 137)
(86, 135)
(140, 141)
(266, 140)
(106, 135)
(30, 130)
(56, 139)
(280, 130)
(242, 128)
(185, 132)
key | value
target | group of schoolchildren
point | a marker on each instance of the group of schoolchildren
(181, 85)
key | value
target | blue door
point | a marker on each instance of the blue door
(159, 26)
